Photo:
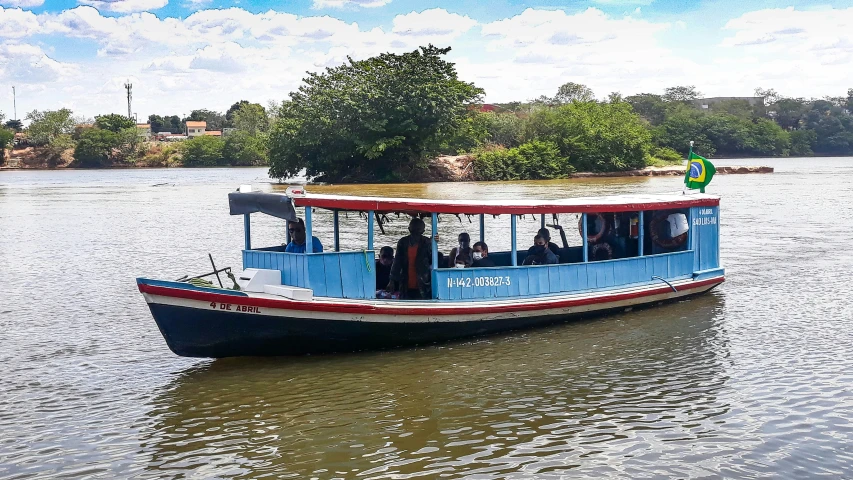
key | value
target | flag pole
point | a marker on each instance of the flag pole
(687, 173)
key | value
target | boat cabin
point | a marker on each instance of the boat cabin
(624, 240)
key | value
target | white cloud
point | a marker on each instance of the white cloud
(125, 6)
(349, 3)
(17, 23)
(433, 22)
(215, 56)
(798, 52)
(22, 3)
(546, 48)
(28, 64)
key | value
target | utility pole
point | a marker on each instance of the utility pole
(128, 86)
(14, 102)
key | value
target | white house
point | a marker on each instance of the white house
(196, 129)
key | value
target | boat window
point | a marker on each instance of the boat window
(665, 231)
(612, 235)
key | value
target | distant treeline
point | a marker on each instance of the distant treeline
(384, 118)
(112, 140)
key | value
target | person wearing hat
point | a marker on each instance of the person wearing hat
(383, 266)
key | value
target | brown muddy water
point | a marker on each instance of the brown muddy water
(750, 381)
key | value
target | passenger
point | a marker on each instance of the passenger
(460, 257)
(411, 268)
(481, 256)
(546, 234)
(297, 238)
(383, 266)
(539, 253)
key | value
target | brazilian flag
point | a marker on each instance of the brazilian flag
(699, 172)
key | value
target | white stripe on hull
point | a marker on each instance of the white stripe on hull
(426, 317)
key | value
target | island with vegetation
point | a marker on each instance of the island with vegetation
(388, 118)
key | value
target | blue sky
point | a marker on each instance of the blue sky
(187, 54)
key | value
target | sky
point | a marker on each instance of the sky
(181, 55)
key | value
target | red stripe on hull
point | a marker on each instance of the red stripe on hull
(439, 309)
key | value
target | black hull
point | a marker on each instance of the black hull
(192, 332)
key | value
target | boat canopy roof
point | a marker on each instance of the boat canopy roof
(615, 203)
(273, 204)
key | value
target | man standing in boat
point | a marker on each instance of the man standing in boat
(411, 268)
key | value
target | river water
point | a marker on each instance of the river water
(751, 380)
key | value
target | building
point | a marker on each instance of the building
(195, 129)
(143, 130)
(708, 103)
(213, 133)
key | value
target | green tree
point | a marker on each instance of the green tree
(685, 93)
(379, 118)
(770, 95)
(14, 125)
(505, 129)
(6, 139)
(594, 136)
(203, 151)
(95, 147)
(574, 92)
(802, 141)
(251, 118)
(615, 97)
(244, 149)
(229, 115)
(649, 106)
(788, 112)
(849, 105)
(49, 124)
(114, 122)
(157, 123)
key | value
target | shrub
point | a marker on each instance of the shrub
(534, 160)
(94, 149)
(595, 136)
(244, 149)
(203, 151)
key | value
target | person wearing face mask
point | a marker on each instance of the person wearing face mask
(383, 267)
(297, 238)
(539, 253)
(411, 267)
(481, 256)
(460, 257)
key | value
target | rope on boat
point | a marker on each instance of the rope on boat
(366, 259)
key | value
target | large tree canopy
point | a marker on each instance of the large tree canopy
(375, 119)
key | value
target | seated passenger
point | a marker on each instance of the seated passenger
(461, 255)
(297, 238)
(481, 256)
(383, 267)
(539, 253)
(546, 234)
(411, 268)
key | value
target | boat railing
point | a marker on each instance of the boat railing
(520, 281)
(332, 274)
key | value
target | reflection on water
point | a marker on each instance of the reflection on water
(576, 397)
(752, 380)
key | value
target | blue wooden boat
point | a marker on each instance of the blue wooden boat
(301, 303)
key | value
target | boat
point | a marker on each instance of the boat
(658, 248)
